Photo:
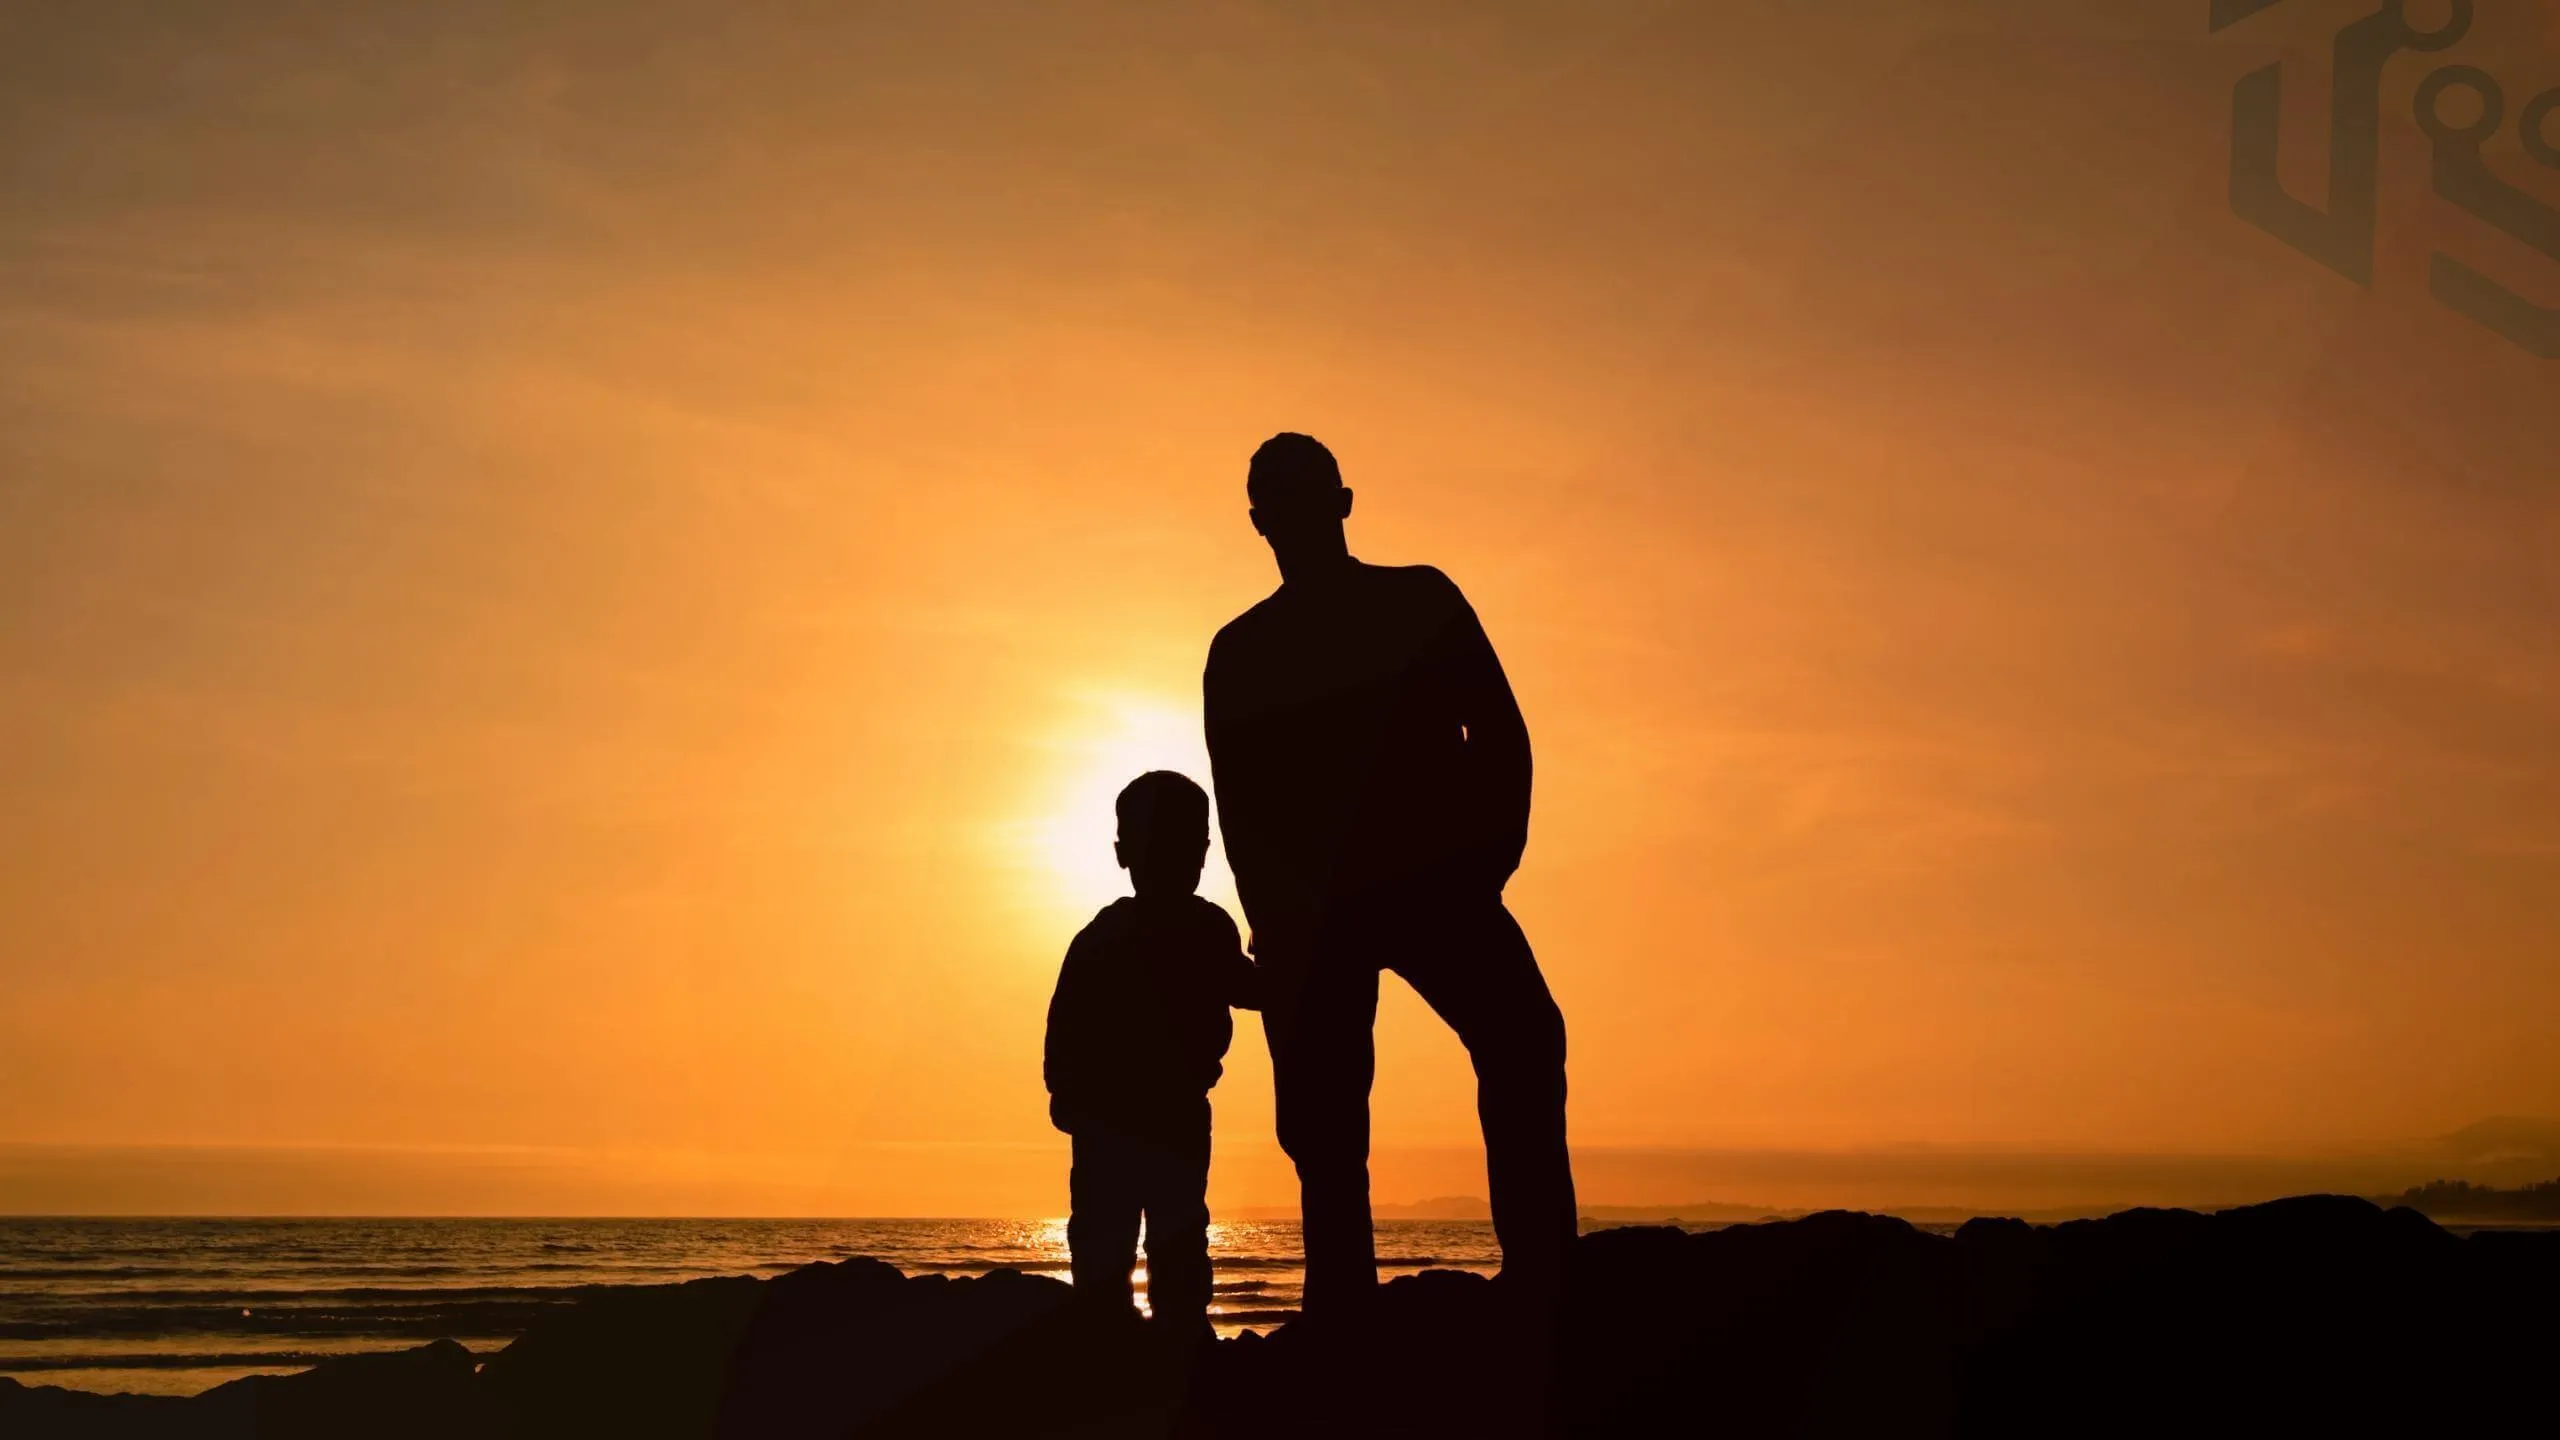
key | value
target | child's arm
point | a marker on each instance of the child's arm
(1064, 1066)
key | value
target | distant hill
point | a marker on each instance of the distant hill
(2506, 1137)
(1440, 1207)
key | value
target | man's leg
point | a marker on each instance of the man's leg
(1178, 1226)
(1319, 1018)
(1474, 968)
(1102, 1219)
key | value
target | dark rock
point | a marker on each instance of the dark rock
(637, 1361)
(818, 1352)
(1062, 1372)
(838, 1348)
(419, 1394)
(423, 1394)
(1441, 1352)
(2315, 1313)
(42, 1412)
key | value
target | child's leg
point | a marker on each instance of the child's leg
(1178, 1226)
(1104, 1193)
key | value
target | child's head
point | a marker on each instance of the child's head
(1164, 833)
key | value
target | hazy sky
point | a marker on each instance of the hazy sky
(575, 581)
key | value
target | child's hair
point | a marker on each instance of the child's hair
(1165, 804)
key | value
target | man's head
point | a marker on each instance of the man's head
(1164, 833)
(1299, 501)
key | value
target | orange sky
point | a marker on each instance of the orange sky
(575, 581)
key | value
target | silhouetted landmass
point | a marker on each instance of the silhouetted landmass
(2480, 1204)
(2320, 1313)
(1713, 1212)
(1700, 1213)
(1444, 1207)
(1716, 1212)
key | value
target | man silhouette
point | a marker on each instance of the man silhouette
(1372, 774)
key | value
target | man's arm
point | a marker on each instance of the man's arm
(1240, 775)
(1497, 740)
(1226, 771)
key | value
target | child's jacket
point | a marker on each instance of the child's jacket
(1139, 1024)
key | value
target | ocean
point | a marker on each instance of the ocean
(173, 1307)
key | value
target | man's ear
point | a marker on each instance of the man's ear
(1345, 512)
(1120, 852)
(1255, 515)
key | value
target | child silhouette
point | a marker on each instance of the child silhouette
(1138, 1029)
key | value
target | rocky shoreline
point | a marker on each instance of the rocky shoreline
(2315, 1313)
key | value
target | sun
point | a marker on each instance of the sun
(1119, 737)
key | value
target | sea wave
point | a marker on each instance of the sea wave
(188, 1359)
(1254, 1317)
(276, 1295)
